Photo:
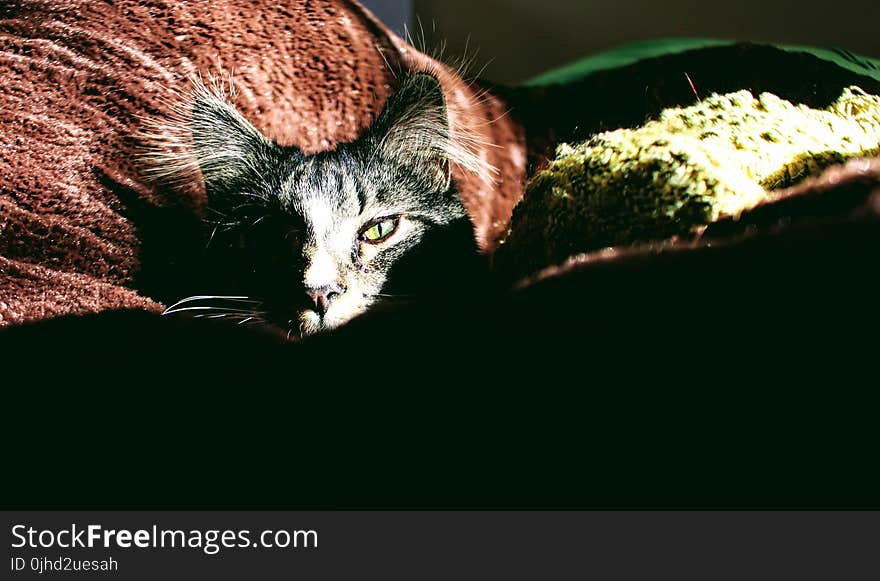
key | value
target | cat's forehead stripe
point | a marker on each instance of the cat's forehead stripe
(361, 192)
(321, 178)
(288, 188)
(327, 200)
(319, 215)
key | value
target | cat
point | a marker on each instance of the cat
(305, 242)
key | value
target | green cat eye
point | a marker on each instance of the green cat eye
(380, 230)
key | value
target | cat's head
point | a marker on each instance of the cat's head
(317, 239)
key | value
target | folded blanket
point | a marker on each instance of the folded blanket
(82, 230)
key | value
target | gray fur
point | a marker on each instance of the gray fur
(296, 222)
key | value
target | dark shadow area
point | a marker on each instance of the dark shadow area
(172, 245)
(733, 374)
(445, 263)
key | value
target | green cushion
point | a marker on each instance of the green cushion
(631, 53)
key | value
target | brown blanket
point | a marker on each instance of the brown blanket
(80, 77)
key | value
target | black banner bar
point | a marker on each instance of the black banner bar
(442, 545)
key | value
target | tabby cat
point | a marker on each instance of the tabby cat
(307, 242)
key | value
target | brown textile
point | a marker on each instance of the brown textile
(79, 77)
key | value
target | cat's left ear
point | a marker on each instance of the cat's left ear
(413, 129)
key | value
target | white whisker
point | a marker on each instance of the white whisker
(230, 298)
(171, 312)
(258, 220)
(258, 196)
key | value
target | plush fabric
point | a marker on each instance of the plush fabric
(81, 229)
(675, 175)
(838, 210)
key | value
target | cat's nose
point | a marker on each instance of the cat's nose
(323, 296)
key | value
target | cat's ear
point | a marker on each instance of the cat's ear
(225, 144)
(201, 133)
(413, 128)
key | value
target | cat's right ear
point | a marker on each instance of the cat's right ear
(202, 135)
(225, 144)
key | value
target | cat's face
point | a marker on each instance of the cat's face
(317, 239)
